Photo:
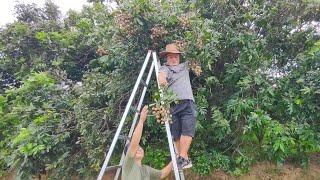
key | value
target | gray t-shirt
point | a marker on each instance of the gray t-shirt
(178, 80)
(131, 171)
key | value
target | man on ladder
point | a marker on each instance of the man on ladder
(176, 76)
(132, 168)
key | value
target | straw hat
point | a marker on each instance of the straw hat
(170, 48)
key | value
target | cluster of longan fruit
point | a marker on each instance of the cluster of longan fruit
(182, 45)
(161, 113)
(195, 67)
(158, 32)
(199, 43)
(101, 52)
(184, 21)
(124, 22)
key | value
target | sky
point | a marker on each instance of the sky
(7, 7)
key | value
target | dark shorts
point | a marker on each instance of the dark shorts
(183, 118)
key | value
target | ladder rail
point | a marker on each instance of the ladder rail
(169, 136)
(114, 141)
(180, 170)
(133, 125)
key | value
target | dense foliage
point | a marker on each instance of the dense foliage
(66, 81)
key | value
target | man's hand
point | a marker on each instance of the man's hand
(162, 77)
(144, 113)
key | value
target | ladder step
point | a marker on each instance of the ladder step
(112, 168)
(134, 110)
(143, 83)
(123, 137)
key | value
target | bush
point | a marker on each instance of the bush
(206, 162)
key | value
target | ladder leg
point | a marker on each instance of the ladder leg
(172, 152)
(133, 125)
(180, 170)
(114, 141)
(169, 136)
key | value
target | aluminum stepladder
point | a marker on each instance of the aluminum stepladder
(154, 66)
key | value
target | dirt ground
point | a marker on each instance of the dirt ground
(266, 171)
(260, 171)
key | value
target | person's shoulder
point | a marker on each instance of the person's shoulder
(164, 67)
(129, 156)
(185, 64)
(129, 162)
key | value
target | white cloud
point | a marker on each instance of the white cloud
(7, 7)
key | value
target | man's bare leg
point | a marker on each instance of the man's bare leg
(177, 143)
(185, 142)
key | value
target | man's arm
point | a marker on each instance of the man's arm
(162, 77)
(166, 171)
(138, 132)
